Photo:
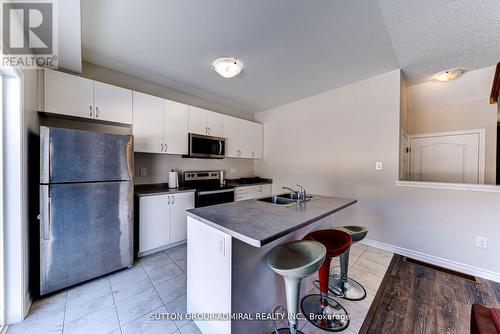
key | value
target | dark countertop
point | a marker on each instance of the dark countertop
(259, 223)
(248, 181)
(158, 189)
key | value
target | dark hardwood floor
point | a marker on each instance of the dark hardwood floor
(417, 299)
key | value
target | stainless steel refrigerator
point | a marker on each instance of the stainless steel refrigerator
(86, 206)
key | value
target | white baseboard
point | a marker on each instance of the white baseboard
(448, 264)
(161, 248)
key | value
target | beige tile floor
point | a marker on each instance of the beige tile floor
(122, 302)
(117, 303)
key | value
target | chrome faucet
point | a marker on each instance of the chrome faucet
(301, 194)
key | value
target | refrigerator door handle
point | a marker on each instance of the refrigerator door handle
(45, 211)
(44, 155)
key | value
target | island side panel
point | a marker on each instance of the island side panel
(209, 274)
(255, 287)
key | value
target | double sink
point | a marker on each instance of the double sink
(284, 199)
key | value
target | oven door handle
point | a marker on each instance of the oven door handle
(210, 192)
(220, 147)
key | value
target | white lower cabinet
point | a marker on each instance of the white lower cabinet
(178, 217)
(252, 192)
(163, 220)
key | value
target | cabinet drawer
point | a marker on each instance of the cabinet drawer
(251, 192)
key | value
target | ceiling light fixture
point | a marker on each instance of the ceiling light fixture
(227, 67)
(449, 74)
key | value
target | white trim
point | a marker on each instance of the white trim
(449, 186)
(448, 133)
(2, 242)
(15, 233)
(401, 153)
(161, 248)
(482, 146)
(453, 265)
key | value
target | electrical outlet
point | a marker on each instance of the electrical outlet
(481, 242)
(379, 165)
(233, 170)
(143, 172)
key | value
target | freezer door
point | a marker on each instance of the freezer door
(86, 230)
(68, 155)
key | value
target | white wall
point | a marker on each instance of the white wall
(472, 86)
(336, 138)
(457, 105)
(158, 166)
(70, 35)
(461, 116)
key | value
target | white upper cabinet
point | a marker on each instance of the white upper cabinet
(232, 132)
(243, 138)
(175, 120)
(160, 126)
(215, 124)
(205, 122)
(112, 103)
(72, 95)
(198, 121)
(256, 135)
(148, 123)
(68, 94)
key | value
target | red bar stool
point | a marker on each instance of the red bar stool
(321, 310)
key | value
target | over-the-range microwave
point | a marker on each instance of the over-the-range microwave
(207, 147)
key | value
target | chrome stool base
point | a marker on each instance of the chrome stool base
(286, 331)
(331, 317)
(350, 290)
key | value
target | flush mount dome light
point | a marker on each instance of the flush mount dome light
(448, 74)
(227, 67)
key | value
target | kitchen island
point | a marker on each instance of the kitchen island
(227, 249)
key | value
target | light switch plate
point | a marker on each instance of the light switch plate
(379, 165)
(143, 171)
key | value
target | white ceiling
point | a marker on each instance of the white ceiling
(291, 48)
(431, 36)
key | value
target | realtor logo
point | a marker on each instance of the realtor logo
(28, 33)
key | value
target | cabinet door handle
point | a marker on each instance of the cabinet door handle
(253, 154)
(168, 200)
(173, 200)
(166, 147)
(97, 112)
(90, 111)
(161, 147)
(209, 130)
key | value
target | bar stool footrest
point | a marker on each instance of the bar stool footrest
(286, 330)
(331, 317)
(350, 290)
